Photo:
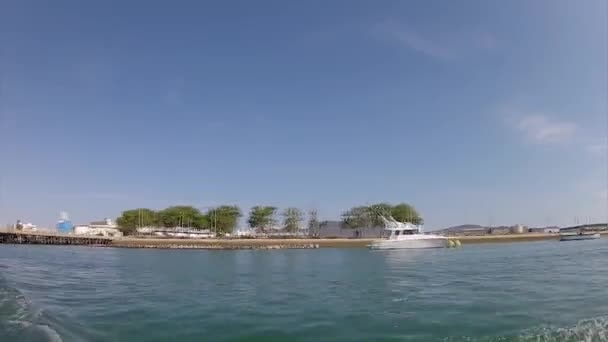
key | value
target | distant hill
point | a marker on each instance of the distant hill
(462, 228)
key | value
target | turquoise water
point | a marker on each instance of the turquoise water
(541, 291)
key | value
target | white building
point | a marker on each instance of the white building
(243, 233)
(177, 232)
(98, 228)
(29, 226)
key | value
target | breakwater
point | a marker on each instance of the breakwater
(233, 244)
(51, 239)
(220, 247)
(14, 237)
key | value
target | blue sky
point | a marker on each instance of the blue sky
(473, 111)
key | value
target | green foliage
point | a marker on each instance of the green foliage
(376, 211)
(314, 226)
(181, 216)
(404, 212)
(370, 216)
(204, 222)
(357, 217)
(130, 220)
(224, 218)
(262, 217)
(292, 218)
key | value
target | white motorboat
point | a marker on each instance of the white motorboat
(407, 236)
(578, 236)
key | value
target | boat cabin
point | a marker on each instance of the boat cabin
(395, 232)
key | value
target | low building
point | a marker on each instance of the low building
(26, 226)
(177, 232)
(500, 230)
(543, 230)
(475, 231)
(335, 229)
(243, 233)
(98, 228)
(281, 232)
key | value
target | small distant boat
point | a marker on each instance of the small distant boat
(579, 236)
(407, 236)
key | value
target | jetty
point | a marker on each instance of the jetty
(50, 238)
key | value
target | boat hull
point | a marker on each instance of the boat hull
(409, 244)
(575, 237)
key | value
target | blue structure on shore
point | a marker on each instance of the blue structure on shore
(64, 225)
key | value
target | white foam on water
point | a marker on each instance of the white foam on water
(51, 334)
(588, 330)
(13, 308)
(16, 317)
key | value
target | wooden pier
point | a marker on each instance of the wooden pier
(31, 238)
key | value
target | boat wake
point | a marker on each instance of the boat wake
(18, 321)
(588, 330)
(591, 330)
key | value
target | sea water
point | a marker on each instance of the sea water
(534, 291)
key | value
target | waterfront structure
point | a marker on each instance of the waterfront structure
(244, 233)
(51, 238)
(98, 228)
(176, 232)
(64, 225)
(20, 225)
(519, 229)
(500, 230)
(336, 229)
(545, 230)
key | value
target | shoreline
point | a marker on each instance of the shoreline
(525, 237)
(246, 244)
(129, 242)
(238, 243)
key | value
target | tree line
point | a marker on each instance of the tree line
(224, 219)
(371, 215)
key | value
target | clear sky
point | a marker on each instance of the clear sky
(489, 112)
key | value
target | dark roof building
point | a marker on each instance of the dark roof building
(329, 229)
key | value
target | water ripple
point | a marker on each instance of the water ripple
(542, 291)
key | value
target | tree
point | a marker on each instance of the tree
(181, 216)
(292, 219)
(224, 218)
(314, 226)
(262, 217)
(377, 211)
(357, 217)
(203, 222)
(371, 216)
(132, 219)
(404, 212)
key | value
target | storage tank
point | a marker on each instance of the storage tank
(64, 225)
(518, 229)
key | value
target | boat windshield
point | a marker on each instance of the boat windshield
(402, 232)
